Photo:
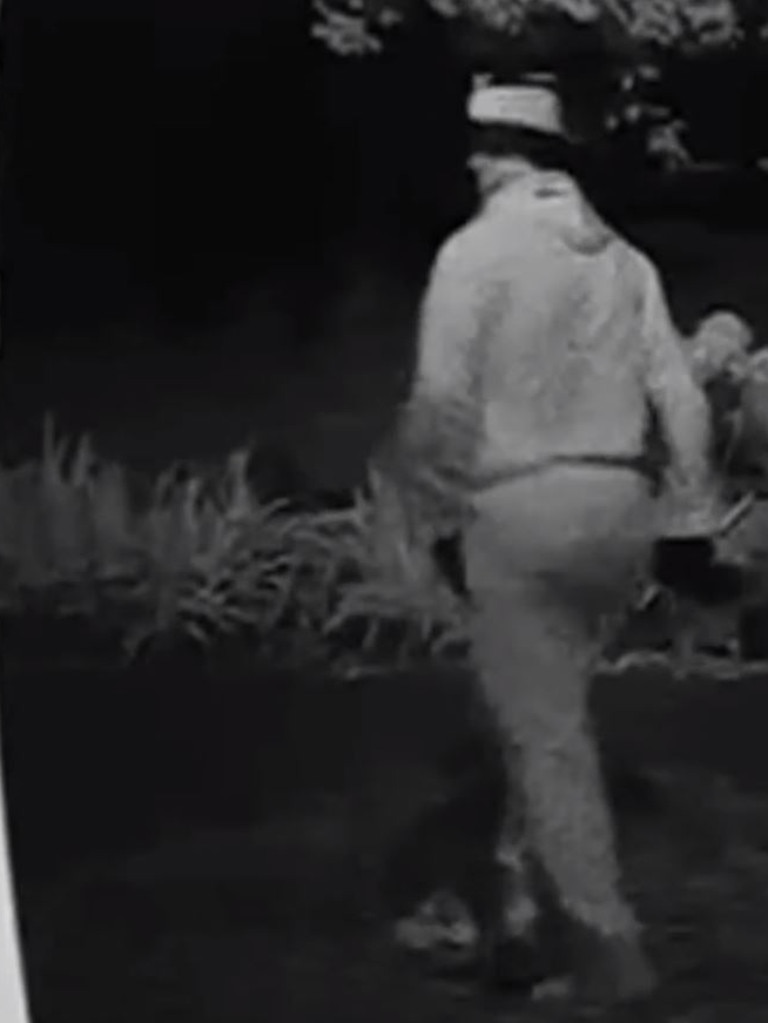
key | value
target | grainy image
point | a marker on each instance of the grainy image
(383, 534)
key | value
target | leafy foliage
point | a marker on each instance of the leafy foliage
(360, 27)
(202, 558)
(598, 48)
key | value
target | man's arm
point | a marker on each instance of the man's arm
(684, 416)
(432, 448)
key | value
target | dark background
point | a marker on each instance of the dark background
(163, 157)
(206, 217)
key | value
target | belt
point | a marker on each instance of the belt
(448, 552)
(637, 463)
(640, 464)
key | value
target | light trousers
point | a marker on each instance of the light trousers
(551, 560)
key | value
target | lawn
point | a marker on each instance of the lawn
(206, 842)
(202, 839)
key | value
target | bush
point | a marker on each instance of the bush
(201, 557)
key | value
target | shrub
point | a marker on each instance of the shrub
(201, 557)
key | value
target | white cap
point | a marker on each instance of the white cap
(527, 106)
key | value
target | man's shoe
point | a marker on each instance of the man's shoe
(442, 933)
(518, 951)
(604, 969)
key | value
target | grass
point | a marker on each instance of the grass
(202, 557)
(244, 910)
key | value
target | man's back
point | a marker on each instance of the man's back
(560, 323)
(543, 335)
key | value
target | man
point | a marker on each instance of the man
(546, 359)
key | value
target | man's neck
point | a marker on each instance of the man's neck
(526, 179)
(506, 174)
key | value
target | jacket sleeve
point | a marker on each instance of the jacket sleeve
(431, 450)
(693, 498)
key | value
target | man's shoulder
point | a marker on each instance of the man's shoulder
(462, 256)
(561, 209)
(470, 239)
(479, 245)
(545, 213)
(639, 268)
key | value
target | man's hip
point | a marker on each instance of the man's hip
(574, 521)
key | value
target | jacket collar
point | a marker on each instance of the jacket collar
(553, 201)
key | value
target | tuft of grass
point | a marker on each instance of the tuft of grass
(202, 557)
(391, 596)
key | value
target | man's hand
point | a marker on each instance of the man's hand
(448, 553)
(689, 567)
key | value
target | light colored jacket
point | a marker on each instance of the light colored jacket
(545, 335)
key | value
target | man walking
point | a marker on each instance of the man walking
(547, 358)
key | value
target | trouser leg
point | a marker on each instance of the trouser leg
(535, 667)
(538, 599)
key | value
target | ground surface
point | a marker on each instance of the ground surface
(208, 847)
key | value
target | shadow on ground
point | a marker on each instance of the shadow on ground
(205, 843)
